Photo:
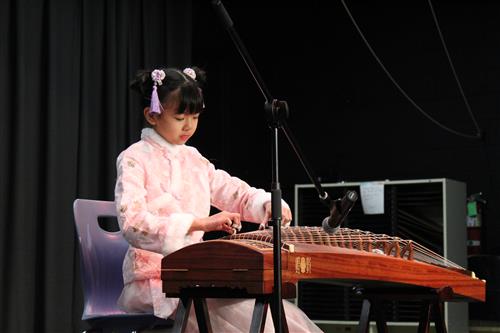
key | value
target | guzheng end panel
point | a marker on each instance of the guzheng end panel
(219, 263)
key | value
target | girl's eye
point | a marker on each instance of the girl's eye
(196, 117)
(179, 119)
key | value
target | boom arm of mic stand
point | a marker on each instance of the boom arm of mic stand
(323, 195)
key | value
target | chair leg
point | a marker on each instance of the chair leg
(364, 320)
(259, 315)
(425, 318)
(182, 314)
(438, 311)
(378, 307)
(201, 310)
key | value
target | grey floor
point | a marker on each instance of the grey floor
(474, 327)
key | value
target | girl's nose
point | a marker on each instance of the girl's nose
(188, 123)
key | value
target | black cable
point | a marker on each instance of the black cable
(453, 69)
(476, 136)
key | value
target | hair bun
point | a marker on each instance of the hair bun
(201, 76)
(142, 83)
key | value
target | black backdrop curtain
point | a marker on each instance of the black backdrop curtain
(65, 115)
(66, 112)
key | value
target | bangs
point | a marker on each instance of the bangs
(190, 99)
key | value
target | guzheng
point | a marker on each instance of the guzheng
(348, 257)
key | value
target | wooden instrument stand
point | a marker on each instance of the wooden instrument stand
(373, 304)
(432, 305)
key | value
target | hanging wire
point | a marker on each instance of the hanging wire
(478, 134)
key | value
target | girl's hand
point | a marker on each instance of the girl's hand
(223, 221)
(286, 216)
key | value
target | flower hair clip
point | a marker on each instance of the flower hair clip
(157, 76)
(190, 72)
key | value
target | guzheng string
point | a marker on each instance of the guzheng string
(352, 239)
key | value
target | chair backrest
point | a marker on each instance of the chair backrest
(102, 253)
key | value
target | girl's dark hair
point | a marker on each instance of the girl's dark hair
(190, 91)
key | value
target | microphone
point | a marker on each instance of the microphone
(338, 212)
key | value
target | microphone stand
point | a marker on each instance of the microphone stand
(277, 112)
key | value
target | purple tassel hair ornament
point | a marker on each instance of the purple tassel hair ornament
(155, 101)
(157, 76)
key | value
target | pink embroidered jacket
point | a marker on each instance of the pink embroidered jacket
(160, 189)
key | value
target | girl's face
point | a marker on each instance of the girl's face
(174, 127)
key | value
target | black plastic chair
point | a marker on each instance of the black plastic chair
(102, 253)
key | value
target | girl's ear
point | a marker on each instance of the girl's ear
(150, 118)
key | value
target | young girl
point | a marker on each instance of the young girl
(164, 191)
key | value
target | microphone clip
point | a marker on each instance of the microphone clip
(339, 209)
